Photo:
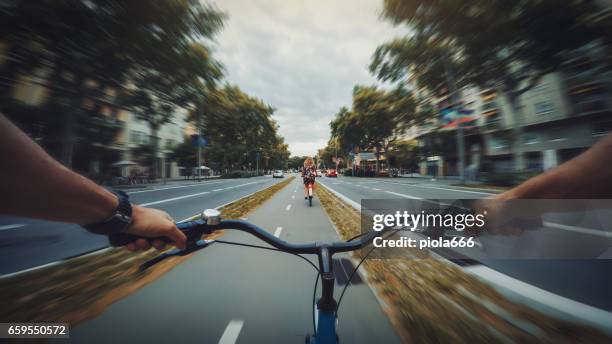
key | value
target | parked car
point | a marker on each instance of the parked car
(331, 174)
(278, 174)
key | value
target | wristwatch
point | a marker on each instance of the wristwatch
(120, 220)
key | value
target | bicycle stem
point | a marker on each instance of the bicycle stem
(326, 303)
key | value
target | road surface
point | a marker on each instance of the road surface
(225, 293)
(27, 243)
(586, 281)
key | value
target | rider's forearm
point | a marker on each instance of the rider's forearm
(35, 185)
(586, 176)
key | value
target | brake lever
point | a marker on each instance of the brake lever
(191, 247)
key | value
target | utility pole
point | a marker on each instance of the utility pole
(257, 164)
(200, 113)
(454, 100)
(336, 149)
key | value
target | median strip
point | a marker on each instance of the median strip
(78, 289)
(430, 300)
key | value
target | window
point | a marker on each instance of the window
(543, 108)
(138, 137)
(530, 138)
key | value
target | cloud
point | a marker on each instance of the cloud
(302, 57)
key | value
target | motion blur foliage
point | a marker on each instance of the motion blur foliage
(95, 59)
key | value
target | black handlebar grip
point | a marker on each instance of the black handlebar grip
(122, 239)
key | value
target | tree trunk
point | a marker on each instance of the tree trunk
(377, 159)
(154, 144)
(517, 134)
(69, 122)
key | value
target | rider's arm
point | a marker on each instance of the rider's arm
(589, 175)
(35, 185)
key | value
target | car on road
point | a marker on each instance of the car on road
(278, 174)
(331, 173)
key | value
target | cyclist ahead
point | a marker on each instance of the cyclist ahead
(309, 173)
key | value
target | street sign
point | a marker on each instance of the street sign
(198, 141)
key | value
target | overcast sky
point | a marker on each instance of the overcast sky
(302, 57)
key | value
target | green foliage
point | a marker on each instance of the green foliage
(403, 154)
(375, 120)
(237, 126)
(489, 43)
(296, 162)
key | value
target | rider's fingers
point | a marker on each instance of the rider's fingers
(177, 237)
(143, 244)
(158, 244)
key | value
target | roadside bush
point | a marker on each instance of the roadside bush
(508, 178)
(359, 173)
(241, 174)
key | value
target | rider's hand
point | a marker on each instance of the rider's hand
(506, 215)
(151, 223)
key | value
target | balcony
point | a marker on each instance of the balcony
(488, 106)
(586, 106)
(493, 123)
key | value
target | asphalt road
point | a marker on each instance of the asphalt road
(587, 281)
(27, 243)
(227, 294)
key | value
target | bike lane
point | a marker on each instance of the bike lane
(227, 294)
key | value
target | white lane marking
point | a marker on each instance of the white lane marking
(583, 230)
(288, 207)
(215, 190)
(185, 196)
(172, 187)
(230, 335)
(403, 195)
(292, 196)
(560, 303)
(174, 199)
(458, 189)
(13, 226)
(375, 189)
(278, 231)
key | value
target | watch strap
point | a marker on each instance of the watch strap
(118, 221)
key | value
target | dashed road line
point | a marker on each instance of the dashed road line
(288, 207)
(278, 231)
(13, 226)
(232, 331)
(402, 195)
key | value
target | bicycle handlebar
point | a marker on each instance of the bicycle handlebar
(195, 229)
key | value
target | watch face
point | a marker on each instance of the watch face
(123, 218)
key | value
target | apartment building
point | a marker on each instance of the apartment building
(119, 157)
(565, 114)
